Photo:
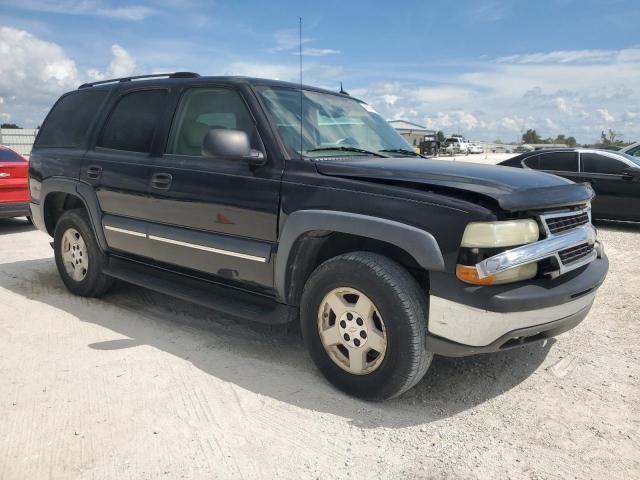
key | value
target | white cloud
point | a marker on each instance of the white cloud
(318, 52)
(264, 70)
(561, 56)
(122, 64)
(390, 99)
(289, 41)
(512, 124)
(85, 7)
(286, 40)
(574, 93)
(34, 73)
(605, 115)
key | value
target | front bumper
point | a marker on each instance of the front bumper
(466, 319)
(14, 209)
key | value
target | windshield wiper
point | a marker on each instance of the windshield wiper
(402, 151)
(346, 149)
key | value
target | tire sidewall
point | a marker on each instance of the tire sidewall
(385, 380)
(78, 220)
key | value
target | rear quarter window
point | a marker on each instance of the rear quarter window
(532, 162)
(70, 118)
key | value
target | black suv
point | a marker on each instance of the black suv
(271, 201)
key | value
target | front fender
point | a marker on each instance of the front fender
(421, 245)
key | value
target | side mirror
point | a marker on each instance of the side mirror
(226, 143)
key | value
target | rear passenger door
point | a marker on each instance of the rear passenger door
(564, 164)
(215, 215)
(119, 166)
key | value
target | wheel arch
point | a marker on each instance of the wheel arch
(62, 194)
(310, 237)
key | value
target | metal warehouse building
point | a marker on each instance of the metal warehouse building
(19, 139)
(412, 132)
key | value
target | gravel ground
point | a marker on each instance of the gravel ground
(137, 385)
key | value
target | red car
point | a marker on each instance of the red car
(14, 185)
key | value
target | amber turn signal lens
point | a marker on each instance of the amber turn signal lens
(470, 275)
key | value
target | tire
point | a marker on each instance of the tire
(88, 258)
(400, 307)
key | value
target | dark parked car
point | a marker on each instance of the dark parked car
(614, 176)
(273, 202)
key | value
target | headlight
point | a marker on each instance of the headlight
(484, 239)
(500, 234)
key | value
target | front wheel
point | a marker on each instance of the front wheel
(364, 321)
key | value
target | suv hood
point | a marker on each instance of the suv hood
(513, 188)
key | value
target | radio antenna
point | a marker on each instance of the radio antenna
(300, 47)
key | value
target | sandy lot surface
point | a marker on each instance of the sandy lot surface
(137, 385)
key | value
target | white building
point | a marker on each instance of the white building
(412, 132)
(19, 139)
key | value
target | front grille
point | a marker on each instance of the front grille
(558, 225)
(574, 254)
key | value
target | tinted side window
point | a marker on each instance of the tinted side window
(559, 161)
(634, 152)
(133, 121)
(9, 156)
(202, 109)
(70, 118)
(533, 162)
(594, 163)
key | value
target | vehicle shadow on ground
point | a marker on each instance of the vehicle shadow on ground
(15, 225)
(269, 361)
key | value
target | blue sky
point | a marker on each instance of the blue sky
(486, 68)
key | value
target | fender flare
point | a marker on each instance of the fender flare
(421, 245)
(85, 193)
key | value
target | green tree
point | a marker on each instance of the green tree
(440, 136)
(571, 141)
(531, 136)
(9, 125)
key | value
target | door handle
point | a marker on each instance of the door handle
(94, 171)
(161, 181)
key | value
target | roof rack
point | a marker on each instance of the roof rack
(137, 77)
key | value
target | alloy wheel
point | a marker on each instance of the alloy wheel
(74, 254)
(352, 331)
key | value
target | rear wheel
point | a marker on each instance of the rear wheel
(78, 257)
(364, 321)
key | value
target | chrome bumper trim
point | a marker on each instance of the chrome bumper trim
(477, 327)
(546, 248)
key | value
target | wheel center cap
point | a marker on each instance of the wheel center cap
(353, 329)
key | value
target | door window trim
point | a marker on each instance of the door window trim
(540, 154)
(116, 101)
(182, 92)
(604, 154)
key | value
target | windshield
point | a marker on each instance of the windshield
(635, 160)
(332, 125)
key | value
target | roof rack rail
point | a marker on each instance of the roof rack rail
(137, 77)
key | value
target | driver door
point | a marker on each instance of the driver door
(217, 215)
